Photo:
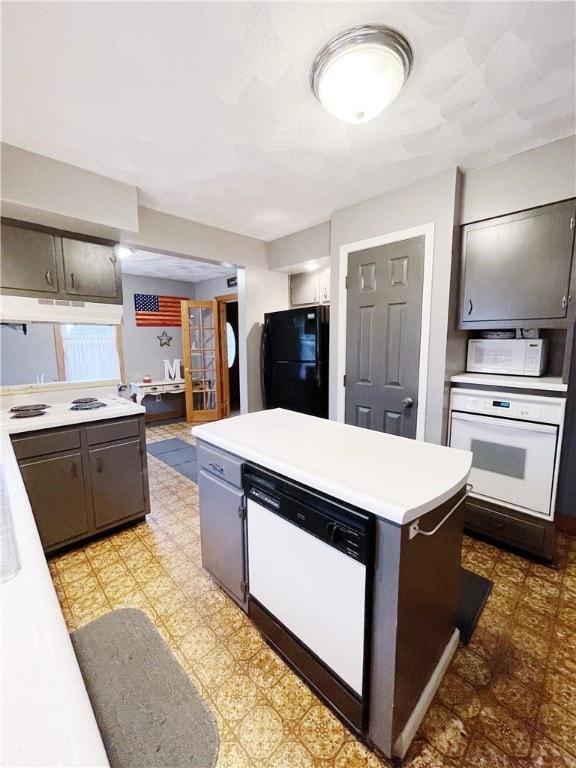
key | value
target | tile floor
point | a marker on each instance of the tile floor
(508, 698)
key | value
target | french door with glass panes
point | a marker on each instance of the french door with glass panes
(201, 360)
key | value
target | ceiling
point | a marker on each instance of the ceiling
(205, 106)
(165, 267)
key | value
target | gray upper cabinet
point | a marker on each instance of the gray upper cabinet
(89, 269)
(29, 260)
(46, 264)
(516, 268)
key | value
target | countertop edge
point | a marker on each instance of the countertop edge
(47, 715)
(388, 511)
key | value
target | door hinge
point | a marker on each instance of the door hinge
(346, 283)
(242, 508)
(572, 222)
(243, 588)
(344, 380)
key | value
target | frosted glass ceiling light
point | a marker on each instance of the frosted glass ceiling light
(360, 71)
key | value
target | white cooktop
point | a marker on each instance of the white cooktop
(58, 399)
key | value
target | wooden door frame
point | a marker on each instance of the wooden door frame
(392, 237)
(221, 302)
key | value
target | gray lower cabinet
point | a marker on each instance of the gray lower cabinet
(510, 527)
(118, 491)
(223, 520)
(84, 480)
(56, 489)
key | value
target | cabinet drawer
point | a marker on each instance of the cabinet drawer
(112, 430)
(174, 387)
(531, 534)
(151, 389)
(221, 464)
(45, 443)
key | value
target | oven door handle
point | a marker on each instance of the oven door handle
(527, 426)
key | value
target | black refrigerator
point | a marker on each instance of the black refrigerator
(295, 360)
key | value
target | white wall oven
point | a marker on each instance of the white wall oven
(515, 441)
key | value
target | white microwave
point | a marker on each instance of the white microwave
(515, 357)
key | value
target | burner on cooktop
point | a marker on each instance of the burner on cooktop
(85, 400)
(24, 408)
(89, 406)
(26, 414)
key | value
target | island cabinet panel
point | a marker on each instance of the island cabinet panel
(516, 269)
(415, 607)
(223, 520)
(29, 260)
(85, 480)
(56, 489)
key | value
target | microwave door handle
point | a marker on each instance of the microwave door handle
(527, 426)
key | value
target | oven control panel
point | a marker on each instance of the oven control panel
(509, 408)
(538, 409)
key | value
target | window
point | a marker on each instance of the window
(88, 352)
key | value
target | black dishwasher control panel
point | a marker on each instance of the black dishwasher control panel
(345, 528)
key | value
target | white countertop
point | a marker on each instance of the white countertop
(393, 477)
(544, 383)
(59, 401)
(47, 718)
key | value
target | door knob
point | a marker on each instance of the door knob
(407, 402)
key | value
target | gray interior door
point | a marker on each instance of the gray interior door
(384, 317)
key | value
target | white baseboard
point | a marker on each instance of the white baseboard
(405, 738)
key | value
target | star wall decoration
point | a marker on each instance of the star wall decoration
(164, 339)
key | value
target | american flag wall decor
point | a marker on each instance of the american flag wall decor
(157, 310)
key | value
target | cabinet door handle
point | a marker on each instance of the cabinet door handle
(216, 467)
(73, 279)
(470, 306)
(99, 465)
(48, 277)
(74, 470)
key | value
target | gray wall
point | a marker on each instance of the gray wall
(543, 175)
(142, 351)
(307, 245)
(259, 291)
(24, 357)
(209, 289)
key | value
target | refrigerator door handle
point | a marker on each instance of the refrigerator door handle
(265, 367)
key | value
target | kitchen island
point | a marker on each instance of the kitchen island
(408, 494)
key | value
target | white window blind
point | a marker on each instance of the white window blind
(90, 352)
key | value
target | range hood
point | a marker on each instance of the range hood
(21, 309)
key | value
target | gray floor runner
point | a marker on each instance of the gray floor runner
(178, 454)
(149, 713)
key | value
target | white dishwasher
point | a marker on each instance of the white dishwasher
(309, 575)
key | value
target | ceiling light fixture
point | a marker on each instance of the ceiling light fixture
(360, 71)
(122, 251)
